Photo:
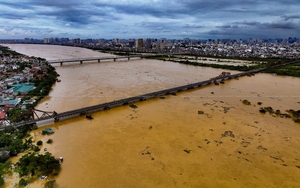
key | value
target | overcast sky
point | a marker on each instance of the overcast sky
(171, 19)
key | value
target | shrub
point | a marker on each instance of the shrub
(39, 164)
(133, 106)
(246, 102)
(9, 129)
(296, 120)
(39, 143)
(51, 184)
(2, 181)
(55, 172)
(200, 112)
(36, 149)
(262, 110)
(23, 182)
(269, 109)
(49, 141)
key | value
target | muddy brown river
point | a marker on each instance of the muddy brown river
(168, 142)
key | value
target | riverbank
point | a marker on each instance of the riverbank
(229, 63)
(17, 141)
(247, 65)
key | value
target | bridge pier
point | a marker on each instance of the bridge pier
(98, 60)
(114, 59)
(61, 63)
(128, 58)
(80, 62)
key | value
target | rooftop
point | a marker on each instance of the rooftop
(25, 87)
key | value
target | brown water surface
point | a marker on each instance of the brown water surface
(165, 142)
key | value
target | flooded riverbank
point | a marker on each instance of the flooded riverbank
(218, 61)
(199, 138)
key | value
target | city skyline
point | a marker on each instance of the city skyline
(149, 19)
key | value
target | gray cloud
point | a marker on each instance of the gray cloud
(227, 26)
(255, 29)
(290, 17)
(151, 18)
(193, 26)
(273, 25)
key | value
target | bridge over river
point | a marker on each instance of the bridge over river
(114, 58)
(53, 116)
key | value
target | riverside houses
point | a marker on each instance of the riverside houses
(14, 81)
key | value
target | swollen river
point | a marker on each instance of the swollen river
(204, 137)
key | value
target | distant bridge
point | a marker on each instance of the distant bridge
(81, 60)
(105, 106)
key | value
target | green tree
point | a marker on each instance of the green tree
(38, 164)
(51, 184)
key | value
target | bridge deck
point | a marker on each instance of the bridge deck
(109, 57)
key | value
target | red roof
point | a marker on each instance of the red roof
(2, 115)
(40, 75)
(8, 106)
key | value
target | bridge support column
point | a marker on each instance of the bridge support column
(61, 63)
(80, 62)
(98, 60)
(128, 58)
(114, 59)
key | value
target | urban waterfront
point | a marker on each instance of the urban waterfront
(167, 142)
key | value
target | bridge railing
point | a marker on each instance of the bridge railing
(109, 57)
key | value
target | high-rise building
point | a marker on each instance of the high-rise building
(116, 40)
(148, 43)
(162, 44)
(88, 41)
(139, 43)
(46, 41)
(131, 43)
(101, 41)
(77, 41)
(64, 40)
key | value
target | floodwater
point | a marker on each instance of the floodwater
(167, 142)
(219, 61)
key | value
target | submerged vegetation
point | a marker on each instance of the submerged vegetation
(51, 184)
(34, 164)
(219, 66)
(133, 106)
(246, 102)
(49, 141)
(288, 70)
(293, 114)
(31, 165)
(11, 144)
